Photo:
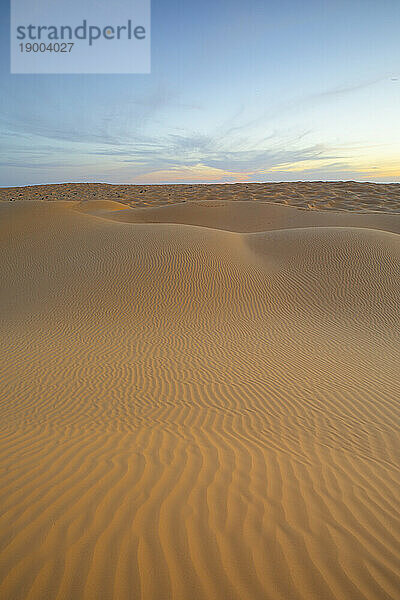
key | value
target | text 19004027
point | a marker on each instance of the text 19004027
(63, 47)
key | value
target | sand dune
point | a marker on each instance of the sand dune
(240, 216)
(313, 195)
(195, 407)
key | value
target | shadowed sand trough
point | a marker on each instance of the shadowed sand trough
(200, 410)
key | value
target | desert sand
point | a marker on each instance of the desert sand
(199, 392)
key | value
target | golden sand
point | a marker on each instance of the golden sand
(199, 399)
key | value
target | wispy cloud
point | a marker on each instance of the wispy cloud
(122, 139)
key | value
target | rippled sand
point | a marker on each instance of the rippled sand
(200, 400)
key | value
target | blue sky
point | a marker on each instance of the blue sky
(256, 91)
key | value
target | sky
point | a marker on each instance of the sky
(238, 91)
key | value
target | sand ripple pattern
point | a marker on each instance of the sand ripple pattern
(191, 413)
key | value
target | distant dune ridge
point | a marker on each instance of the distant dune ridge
(199, 392)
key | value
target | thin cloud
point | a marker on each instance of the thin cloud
(246, 147)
